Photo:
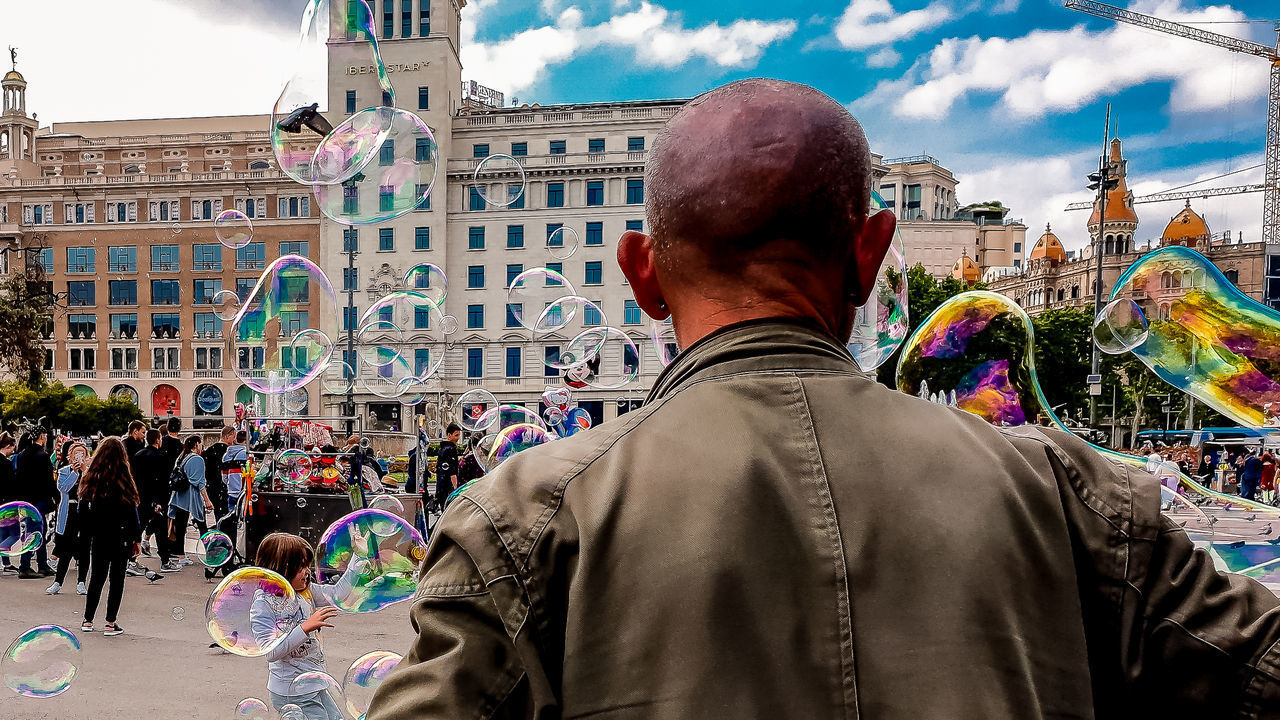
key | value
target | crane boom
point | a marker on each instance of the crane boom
(1271, 201)
(1184, 195)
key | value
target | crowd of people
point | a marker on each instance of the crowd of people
(1249, 470)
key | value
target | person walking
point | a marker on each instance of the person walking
(75, 458)
(135, 440)
(109, 504)
(8, 489)
(152, 470)
(447, 465)
(189, 501)
(1017, 575)
(1250, 475)
(33, 472)
(214, 486)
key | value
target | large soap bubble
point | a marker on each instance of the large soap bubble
(499, 180)
(307, 145)
(881, 325)
(395, 183)
(21, 529)
(473, 406)
(371, 557)
(292, 291)
(1120, 327)
(421, 326)
(317, 681)
(534, 300)
(505, 416)
(41, 662)
(251, 611)
(428, 280)
(363, 679)
(977, 346)
(1206, 337)
(614, 364)
(516, 439)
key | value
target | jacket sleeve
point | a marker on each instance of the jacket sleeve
(463, 662)
(194, 469)
(1167, 631)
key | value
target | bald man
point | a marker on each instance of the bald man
(774, 535)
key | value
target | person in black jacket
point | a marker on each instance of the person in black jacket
(8, 486)
(33, 472)
(170, 445)
(447, 464)
(136, 440)
(109, 513)
(213, 483)
(151, 468)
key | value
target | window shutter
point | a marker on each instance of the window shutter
(26, 214)
(173, 210)
(67, 212)
(195, 209)
(153, 211)
(111, 212)
(240, 204)
(133, 211)
(217, 206)
(48, 213)
(262, 207)
(88, 211)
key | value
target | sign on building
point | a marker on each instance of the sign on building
(473, 90)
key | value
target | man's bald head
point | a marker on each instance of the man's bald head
(753, 163)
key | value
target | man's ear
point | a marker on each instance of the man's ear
(635, 257)
(868, 254)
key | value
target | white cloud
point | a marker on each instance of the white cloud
(656, 35)
(870, 23)
(1059, 70)
(884, 58)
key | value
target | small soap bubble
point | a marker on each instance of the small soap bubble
(338, 378)
(293, 466)
(179, 614)
(1120, 327)
(516, 439)
(472, 406)
(449, 325)
(233, 228)
(378, 342)
(244, 595)
(217, 549)
(371, 558)
(251, 709)
(429, 281)
(482, 450)
(499, 180)
(388, 503)
(364, 677)
(226, 304)
(293, 712)
(562, 242)
(388, 381)
(21, 529)
(41, 662)
(614, 364)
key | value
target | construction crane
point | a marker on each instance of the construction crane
(1184, 195)
(1271, 198)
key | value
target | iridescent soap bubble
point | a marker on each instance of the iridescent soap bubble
(449, 325)
(414, 391)
(371, 558)
(378, 342)
(295, 401)
(397, 181)
(586, 340)
(567, 316)
(340, 35)
(217, 548)
(292, 712)
(317, 681)
(881, 325)
(388, 503)
(472, 406)
(233, 228)
(1205, 337)
(293, 466)
(421, 327)
(1186, 514)
(615, 364)
(977, 345)
(41, 662)
(533, 291)
(251, 709)
(364, 677)
(516, 439)
(251, 611)
(387, 381)
(499, 180)
(179, 613)
(429, 281)
(483, 449)
(338, 378)
(662, 335)
(562, 242)
(504, 416)
(226, 304)
(267, 360)
(1120, 327)
(21, 529)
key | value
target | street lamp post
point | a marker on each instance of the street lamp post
(351, 329)
(1102, 181)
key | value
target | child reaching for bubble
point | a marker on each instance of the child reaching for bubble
(300, 652)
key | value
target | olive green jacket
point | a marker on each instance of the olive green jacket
(774, 535)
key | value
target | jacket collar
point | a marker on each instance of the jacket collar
(755, 345)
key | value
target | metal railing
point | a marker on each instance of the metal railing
(123, 374)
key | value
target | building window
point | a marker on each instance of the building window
(422, 317)
(515, 236)
(387, 153)
(82, 327)
(422, 280)
(125, 325)
(475, 277)
(513, 362)
(424, 97)
(513, 271)
(480, 150)
(550, 356)
(254, 207)
(514, 311)
(1017, 247)
(555, 194)
(515, 194)
(122, 259)
(388, 19)
(557, 268)
(205, 209)
(165, 292)
(475, 363)
(204, 290)
(386, 198)
(631, 313)
(122, 292)
(81, 259)
(208, 358)
(555, 238)
(635, 144)
(635, 225)
(350, 198)
(295, 207)
(349, 318)
(558, 147)
(635, 191)
(475, 200)
(82, 359)
(595, 192)
(595, 233)
(421, 360)
(124, 358)
(406, 18)
(351, 101)
(165, 325)
(244, 286)
(295, 247)
(519, 149)
(164, 211)
(80, 293)
(422, 238)
(424, 19)
(78, 212)
(591, 314)
(475, 238)
(350, 240)
(386, 239)
(46, 260)
(251, 257)
(207, 324)
(420, 191)
(37, 214)
(350, 278)
(595, 272)
(595, 145)
(206, 256)
(128, 211)
(475, 317)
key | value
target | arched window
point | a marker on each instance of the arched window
(1165, 280)
(1062, 294)
(132, 170)
(1075, 292)
(1233, 276)
(4, 143)
(1188, 278)
(260, 165)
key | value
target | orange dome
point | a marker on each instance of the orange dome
(1185, 228)
(1049, 246)
(966, 270)
(1119, 200)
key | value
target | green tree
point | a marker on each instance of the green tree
(64, 410)
(1062, 351)
(27, 304)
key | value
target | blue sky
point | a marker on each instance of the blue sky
(1009, 94)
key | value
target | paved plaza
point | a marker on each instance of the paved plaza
(162, 668)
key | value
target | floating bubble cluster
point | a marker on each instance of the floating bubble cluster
(881, 325)
(217, 549)
(363, 679)
(1205, 337)
(21, 529)
(251, 611)
(372, 558)
(41, 662)
(267, 359)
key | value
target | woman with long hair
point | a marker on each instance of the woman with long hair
(72, 463)
(109, 508)
(189, 503)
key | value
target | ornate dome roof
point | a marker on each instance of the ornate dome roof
(966, 270)
(1049, 246)
(1185, 228)
(13, 75)
(1119, 200)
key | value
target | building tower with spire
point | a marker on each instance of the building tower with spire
(17, 130)
(1114, 235)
